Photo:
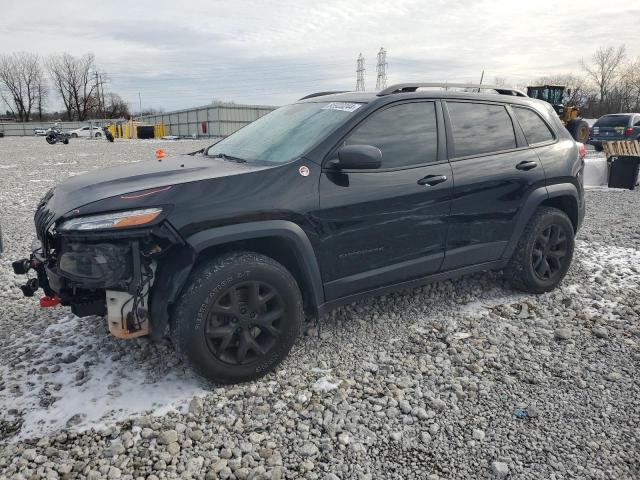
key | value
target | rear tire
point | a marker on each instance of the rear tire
(544, 252)
(579, 130)
(98, 134)
(66, 141)
(237, 318)
(74, 135)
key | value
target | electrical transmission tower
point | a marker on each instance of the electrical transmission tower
(360, 74)
(381, 69)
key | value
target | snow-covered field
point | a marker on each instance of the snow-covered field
(461, 379)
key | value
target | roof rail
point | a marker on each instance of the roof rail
(321, 94)
(412, 87)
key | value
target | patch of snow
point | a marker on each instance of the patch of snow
(324, 385)
(68, 378)
(595, 171)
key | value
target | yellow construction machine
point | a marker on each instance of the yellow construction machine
(570, 115)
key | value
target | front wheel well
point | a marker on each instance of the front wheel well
(282, 250)
(567, 204)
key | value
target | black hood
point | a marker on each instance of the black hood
(88, 188)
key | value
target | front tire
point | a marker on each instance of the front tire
(544, 252)
(238, 317)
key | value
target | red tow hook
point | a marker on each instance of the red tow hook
(47, 301)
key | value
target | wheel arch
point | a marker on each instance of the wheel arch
(282, 240)
(563, 196)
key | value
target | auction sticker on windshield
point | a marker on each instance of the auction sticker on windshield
(342, 106)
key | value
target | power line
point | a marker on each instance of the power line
(360, 74)
(381, 69)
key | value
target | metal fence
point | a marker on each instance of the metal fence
(216, 120)
(12, 129)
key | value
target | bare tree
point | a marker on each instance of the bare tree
(21, 75)
(604, 68)
(43, 94)
(116, 107)
(73, 78)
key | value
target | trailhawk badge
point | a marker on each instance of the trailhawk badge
(304, 171)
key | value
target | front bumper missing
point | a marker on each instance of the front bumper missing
(106, 278)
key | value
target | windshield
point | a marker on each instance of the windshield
(613, 121)
(285, 133)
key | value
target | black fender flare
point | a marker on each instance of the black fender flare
(533, 201)
(173, 274)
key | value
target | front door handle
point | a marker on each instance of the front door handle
(431, 180)
(526, 165)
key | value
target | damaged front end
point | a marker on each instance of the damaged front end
(102, 264)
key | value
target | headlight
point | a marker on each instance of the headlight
(129, 218)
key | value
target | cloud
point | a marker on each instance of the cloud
(184, 54)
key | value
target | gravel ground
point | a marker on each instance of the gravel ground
(462, 379)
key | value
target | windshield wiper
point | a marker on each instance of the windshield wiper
(229, 158)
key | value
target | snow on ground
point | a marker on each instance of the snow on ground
(71, 375)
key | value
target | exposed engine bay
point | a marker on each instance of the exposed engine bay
(103, 274)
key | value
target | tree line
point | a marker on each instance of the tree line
(608, 82)
(27, 80)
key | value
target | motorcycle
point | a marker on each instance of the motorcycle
(55, 135)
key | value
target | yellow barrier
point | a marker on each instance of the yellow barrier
(130, 130)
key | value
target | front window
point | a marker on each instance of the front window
(286, 133)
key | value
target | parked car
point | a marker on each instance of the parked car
(88, 131)
(319, 203)
(617, 126)
(39, 132)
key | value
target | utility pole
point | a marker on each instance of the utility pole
(140, 103)
(360, 74)
(98, 91)
(104, 104)
(381, 69)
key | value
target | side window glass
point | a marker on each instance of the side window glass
(535, 130)
(406, 134)
(637, 122)
(479, 128)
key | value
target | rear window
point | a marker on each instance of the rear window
(480, 128)
(535, 130)
(612, 121)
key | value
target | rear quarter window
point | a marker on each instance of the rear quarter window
(612, 121)
(480, 128)
(534, 128)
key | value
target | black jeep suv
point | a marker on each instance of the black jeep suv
(337, 196)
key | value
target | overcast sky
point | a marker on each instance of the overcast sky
(179, 54)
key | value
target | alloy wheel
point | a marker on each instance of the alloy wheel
(549, 252)
(244, 323)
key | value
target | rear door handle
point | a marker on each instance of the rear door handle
(431, 180)
(526, 165)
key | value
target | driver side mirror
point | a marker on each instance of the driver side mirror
(358, 157)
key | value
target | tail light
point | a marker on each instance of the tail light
(628, 132)
(582, 150)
